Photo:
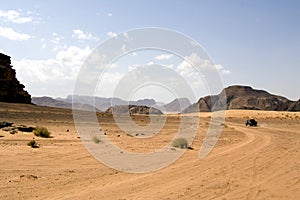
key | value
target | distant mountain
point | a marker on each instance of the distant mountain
(103, 103)
(177, 105)
(133, 109)
(243, 97)
(144, 102)
(50, 102)
(233, 97)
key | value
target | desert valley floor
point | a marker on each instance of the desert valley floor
(247, 163)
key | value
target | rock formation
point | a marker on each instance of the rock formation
(243, 97)
(10, 88)
(295, 106)
(133, 109)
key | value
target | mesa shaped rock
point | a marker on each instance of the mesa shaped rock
(243, 97)
(11, 90)
(133, 109)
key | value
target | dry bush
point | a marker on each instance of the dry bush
(224, 125)
(96, 140)
(41, 132)
(181, 143)
(33, 144)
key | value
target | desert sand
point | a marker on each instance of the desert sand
(247, 163)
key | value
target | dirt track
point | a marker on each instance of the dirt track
(248, 163)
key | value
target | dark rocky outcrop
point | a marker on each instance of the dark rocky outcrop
(243, 97)
(133, 109)
(5, 124)
(295, 106)
(10, 88)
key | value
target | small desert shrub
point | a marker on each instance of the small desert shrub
(41, 132)
(95, 139)
(181, 143)
(33, 144)
(129, 135)
(224, 125)
(287, 116)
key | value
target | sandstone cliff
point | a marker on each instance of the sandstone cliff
(243, 97)
(10, 88)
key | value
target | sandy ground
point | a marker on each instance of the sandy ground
(247, 163)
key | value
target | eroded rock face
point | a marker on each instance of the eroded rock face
(243, 97)
(133, 109)
(11, 90)
(295, 106)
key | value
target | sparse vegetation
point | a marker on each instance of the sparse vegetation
(224, 125)
(33, 144)
(129, 135)
(287, 116)
(96, 140)
(42, 132)
(181, 143)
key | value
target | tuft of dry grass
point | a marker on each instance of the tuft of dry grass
(33, 144)
(96, 140)
(181, 143)
(224, 125)
(41, 132)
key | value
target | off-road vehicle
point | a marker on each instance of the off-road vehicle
(251, 122)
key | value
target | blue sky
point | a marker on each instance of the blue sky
(257, 43)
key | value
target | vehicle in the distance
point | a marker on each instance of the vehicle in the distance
(251, 122)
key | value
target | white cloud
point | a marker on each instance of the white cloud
(56, 76)
(123, 48)
(9, 33)
(111, 34)
(222, 70)
(56, 38)
(126, 36)
(109, 15)
(81, 35)
(73, 55)
(135, 66)
(108, 83)
(186, 68)
(226, 71)
(164, 57)
(15, 16)
(52, 76)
